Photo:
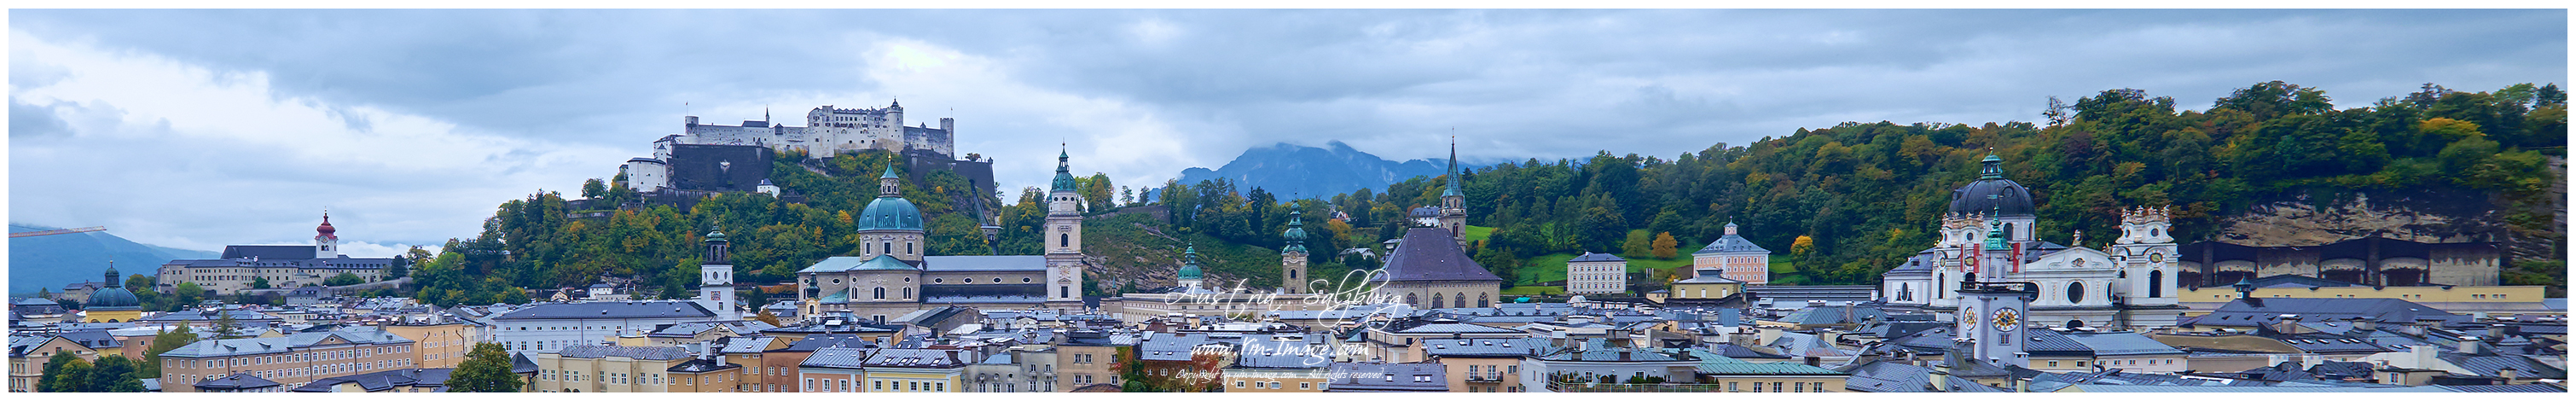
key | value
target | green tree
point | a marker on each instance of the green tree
(65, 374)
(114, 374)
(343, 279)
(1638, 245)
(486, 369)
(593, 188)
(187, 295)
(227, 328)
(261, 283)
(162, 342)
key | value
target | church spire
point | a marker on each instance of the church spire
(1064, 170)
(1452, 190)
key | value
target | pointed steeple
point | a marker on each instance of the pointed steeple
(1452, 190)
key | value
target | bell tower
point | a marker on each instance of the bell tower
(715, 278)
(326, 240)
(1453, 202)
(1292, 257)
(1063, 235)
(2146, 256)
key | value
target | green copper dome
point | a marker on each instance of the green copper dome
(1296, 234)
(890, 211)
(1190, 264)
(1063, 172)
(112, 297)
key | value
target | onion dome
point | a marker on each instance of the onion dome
(113, 297)
(1296, 234)
(1190, 264)
(1992, 193)
(325, 230)
(1063, 172)
(890, 211)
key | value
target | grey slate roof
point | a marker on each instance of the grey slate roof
(984, 263)
(638, 353)
(1731, 244)
(2507, 388)
(915, 358)
(843, 358)
(382, 381)
(268, 251)
(609, 310)
(282, 344)
(1887, 377)
(1595, 257)
(1387, 377)
(1429, 254)
(2493, 365)
(2255, 312)
(1486, 347)
(237, 381)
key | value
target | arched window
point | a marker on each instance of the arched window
(1412, 299)
(1904, 291)
(2008, 231)
(1435, 300)
(1481, 301)
(1941, 286)
(1460, 300)
(880, 292)
(1064, 240)
(2075, 292)
(2156, 284)
(907, 292)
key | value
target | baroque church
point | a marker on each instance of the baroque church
(1988, 237)
(894, 274)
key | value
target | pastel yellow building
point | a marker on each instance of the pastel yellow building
(2511, 299)
(916, 371)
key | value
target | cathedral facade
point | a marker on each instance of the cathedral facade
(1988, 237)
(894, 273)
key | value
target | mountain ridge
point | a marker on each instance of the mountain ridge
(51, 261)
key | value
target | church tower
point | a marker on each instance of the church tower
(1063, 234)
(1453, 202)
(1292, 257)
(326, 240)
(2146, 255)
(1990, 315)
(715, 278)
(1191, 278)
(891, 225)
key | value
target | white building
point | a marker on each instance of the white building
(1596, 273)
(1989, 234)
(552, 327)
(282, 266)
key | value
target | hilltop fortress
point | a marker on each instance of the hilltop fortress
(721, 158)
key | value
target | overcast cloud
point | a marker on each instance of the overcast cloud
(197, 129)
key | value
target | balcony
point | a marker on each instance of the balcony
(1486, 378)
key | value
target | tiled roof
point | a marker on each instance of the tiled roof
(1595, 257)
(638, 353)
(984, 263)
(846, 358)
(271, 345)
(1386, 377)
(1486, 347)
(915, 358)
(2507, 388)
(382, 381)
(1711, 363)
(2254, 312)
(237, 381)
(609, 310)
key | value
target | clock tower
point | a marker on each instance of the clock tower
(1063, 235)
(715, 278)
(1991, 314)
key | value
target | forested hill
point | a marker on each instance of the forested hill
(1840, 203)
(1849, 201)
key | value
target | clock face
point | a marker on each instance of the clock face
(2156, 257)
(2006, 320)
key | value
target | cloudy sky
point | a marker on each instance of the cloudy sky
(196, 129)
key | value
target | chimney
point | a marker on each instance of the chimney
(2470, 346)
(952, 357)
(2289, 324)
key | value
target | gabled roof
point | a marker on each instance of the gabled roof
(1595, 257)
(382, 381)
(914, 358)
(843, 358)
(283, 344)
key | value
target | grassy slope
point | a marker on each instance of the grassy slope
(1128, 252)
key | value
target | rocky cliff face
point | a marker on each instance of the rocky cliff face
(2526, 228)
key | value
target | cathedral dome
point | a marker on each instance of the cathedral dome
(889, 214)
(1991, 193)
(112, 297)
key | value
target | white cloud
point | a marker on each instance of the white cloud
(168, 153)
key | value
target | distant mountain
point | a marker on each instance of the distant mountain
(55, 260)
(1305, 171)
